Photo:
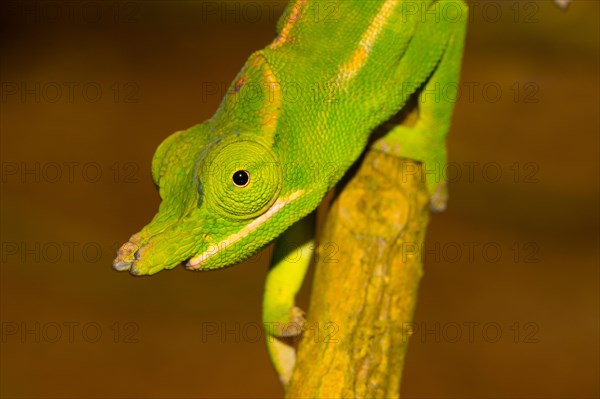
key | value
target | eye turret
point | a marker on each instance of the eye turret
(240, 178)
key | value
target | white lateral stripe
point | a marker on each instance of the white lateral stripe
(197, 261)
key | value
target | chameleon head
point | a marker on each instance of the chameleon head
(223, 198)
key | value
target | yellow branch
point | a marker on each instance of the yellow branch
(365, 287)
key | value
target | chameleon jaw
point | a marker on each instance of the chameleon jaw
(129, 257)
(139, 258)
(133, 255)
(198, 261)
(125, 256)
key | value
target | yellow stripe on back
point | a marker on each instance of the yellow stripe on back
(270, 113)
(359, 58)
(295, 15)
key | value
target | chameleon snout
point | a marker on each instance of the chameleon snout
(128, 258)
(147, 257)
(126, 255)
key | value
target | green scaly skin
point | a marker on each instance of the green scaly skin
(297, 116)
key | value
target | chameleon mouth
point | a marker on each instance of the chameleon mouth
(135, 266)
(149, 256)
(129, 258)
(174, 245)
(121, 266)
(125, 256)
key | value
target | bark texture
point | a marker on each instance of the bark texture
(367, 273)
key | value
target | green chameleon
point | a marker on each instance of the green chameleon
(297, 116)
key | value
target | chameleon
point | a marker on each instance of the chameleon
(297, 116)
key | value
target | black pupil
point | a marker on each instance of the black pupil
(240, 178)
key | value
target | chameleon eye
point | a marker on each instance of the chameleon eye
(241, 178)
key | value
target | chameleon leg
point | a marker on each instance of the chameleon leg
(281, 318)
(422, 134)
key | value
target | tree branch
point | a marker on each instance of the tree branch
(364, 294)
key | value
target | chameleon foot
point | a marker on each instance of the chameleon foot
(293, 327)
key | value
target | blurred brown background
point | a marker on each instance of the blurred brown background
(508, 306)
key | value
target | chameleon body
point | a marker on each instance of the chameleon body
(296, 117)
